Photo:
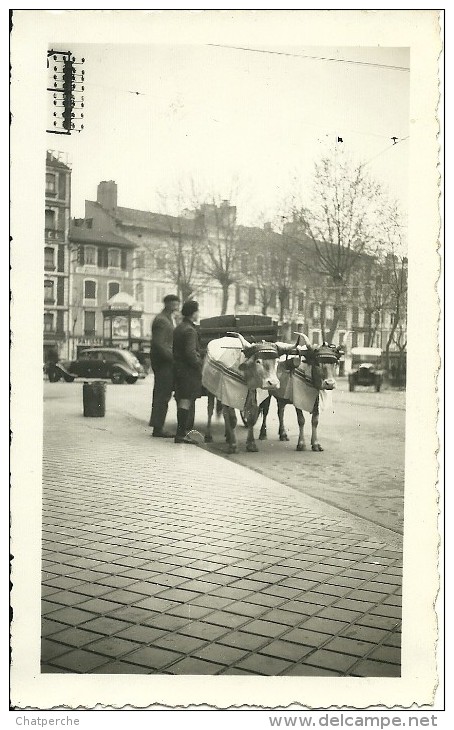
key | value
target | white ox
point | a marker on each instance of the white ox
(306, 384)
(240, 375)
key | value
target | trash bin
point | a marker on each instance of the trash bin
(94, 398)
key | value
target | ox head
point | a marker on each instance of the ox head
(323, 360)
(260, 366)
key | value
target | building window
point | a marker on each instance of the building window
(238, 295)
(251, 296)
(50, 184)
(89, 289)
(315, 337)
(355, 316)
(102, 258)
(139, 292)
(273, 299)
(113, 288)
(90, 255)
(260, 266)
(354, 339)
(341, 338)
(49, 291)
(49, 219)
(274, 266)
(124, 260)
(89, 323)
(160, 260)
(48, 322)
(159, 293)
(315, 311)
(140, 260)
(244, 263)
(329, 312)
(60, 291)
(49, 259)
(114, 258)
(301, 302)
(62, 186)
(343, 315)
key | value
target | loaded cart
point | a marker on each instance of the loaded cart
(254, 327)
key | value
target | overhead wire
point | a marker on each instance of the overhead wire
(394, 144)
(313, 58)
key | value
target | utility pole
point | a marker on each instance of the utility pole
(66, 85)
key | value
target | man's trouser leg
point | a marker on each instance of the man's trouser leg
(191, 416)
(162, 392)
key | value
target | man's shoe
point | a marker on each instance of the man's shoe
(159, 433)
(185, 440)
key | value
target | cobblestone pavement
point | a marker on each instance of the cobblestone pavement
(160, 558)
(361, 470)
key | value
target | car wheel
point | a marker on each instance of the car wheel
(377, 387)
(351, 386)
(131, 381)
(54, 376)
(117, 377)
(69, 378)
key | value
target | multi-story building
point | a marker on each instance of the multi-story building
(164, 253)
(269, 273)
(101, 265)
(56, 257)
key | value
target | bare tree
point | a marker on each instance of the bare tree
(336, 225)
(395, 267)
(183, 236)
(220, 252)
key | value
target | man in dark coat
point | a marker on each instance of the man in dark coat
(187, 370)
(161, 358)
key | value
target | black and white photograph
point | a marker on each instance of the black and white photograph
(228, 240)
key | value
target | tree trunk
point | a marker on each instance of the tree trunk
(333, 328)
(225, 298)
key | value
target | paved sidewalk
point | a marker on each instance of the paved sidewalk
(160, 558)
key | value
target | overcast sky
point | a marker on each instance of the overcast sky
(217, 114)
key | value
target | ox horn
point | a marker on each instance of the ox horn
(244, 343)
(305, 338)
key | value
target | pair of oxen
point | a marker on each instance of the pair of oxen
(293, 373)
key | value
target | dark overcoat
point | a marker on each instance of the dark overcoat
(162, 341)
(187, 361)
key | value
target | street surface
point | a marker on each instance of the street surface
(164, 558)
(361, 469)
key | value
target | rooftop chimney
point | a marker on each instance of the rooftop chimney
(107, 195)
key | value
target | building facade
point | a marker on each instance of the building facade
(56, 258)
(101, 265)
(268, 272)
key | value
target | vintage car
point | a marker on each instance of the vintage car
(366, 368)
(120, 366)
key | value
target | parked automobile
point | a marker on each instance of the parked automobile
(366, 368)
(120, 366)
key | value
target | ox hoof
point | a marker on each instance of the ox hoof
(316, 447)
(208, 438)
(262, 436)
(251, 447)
(283, 437)
(301, 447)
(233, 449)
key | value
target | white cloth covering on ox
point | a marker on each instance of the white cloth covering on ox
(221, 374)
(296, 387)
